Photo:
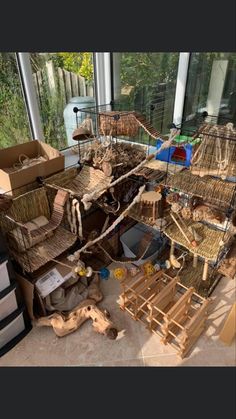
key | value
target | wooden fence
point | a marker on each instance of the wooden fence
(60, 81)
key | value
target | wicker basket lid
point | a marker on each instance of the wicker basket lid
(81, 134)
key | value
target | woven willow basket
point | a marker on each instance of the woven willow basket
(118, 123)
(26, 208)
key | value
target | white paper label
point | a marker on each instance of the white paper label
(49, 282)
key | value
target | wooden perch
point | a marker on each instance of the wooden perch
(192, 242)
(69, 323)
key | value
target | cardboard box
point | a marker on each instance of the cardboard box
(31, 291)
(32, 149)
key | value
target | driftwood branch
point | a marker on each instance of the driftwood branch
(69, 323)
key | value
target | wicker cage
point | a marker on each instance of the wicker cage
(216, 154)
(34, 221)
(115, 123)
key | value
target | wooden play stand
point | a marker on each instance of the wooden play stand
(228, 331)
(167, 308)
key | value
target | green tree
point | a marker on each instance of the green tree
(78, 62)
(14, 124)
(145, 69)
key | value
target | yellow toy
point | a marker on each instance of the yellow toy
(120, 273)
(80, 271)
(148, 268)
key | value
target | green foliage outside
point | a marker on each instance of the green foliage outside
(14, 124)
(140, 77)
(142, 72)
(51, 111)
(80, 63)
(52, 105)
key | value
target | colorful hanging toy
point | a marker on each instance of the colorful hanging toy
(148, 268)
(82, 270)
(120, 273)
(104, 273)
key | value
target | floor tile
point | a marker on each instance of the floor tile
(123, 363)
(110, 287)
(95, 348)
(207, 357)
(151, 344)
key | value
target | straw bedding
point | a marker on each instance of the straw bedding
(208, 248)
(215, 191)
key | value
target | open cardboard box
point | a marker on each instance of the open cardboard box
(21, 177)
(56, 274)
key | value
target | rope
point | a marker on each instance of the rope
(69, 218)
(76, 255)
(27, 161)
(123, 262)
(77, 207)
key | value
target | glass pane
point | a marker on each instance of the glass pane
(211, 87)
(146, 82)
(62, 80)
(14, 123)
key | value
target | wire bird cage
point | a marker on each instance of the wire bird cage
(112, 120)
(202, 196)
(196, 178)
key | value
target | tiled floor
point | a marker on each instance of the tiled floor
(135, 346)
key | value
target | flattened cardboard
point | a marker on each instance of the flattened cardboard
(34, 148)
(27, 289)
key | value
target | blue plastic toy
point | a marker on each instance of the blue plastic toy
(104, 273)
(167, 155)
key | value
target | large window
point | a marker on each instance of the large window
(62, 81)
(211, 87)
(14, 123)
(146, 82)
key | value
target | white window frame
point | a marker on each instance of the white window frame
(180, 89)
(102, 77)
(29, 92)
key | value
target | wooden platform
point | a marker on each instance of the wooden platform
(208, 248)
